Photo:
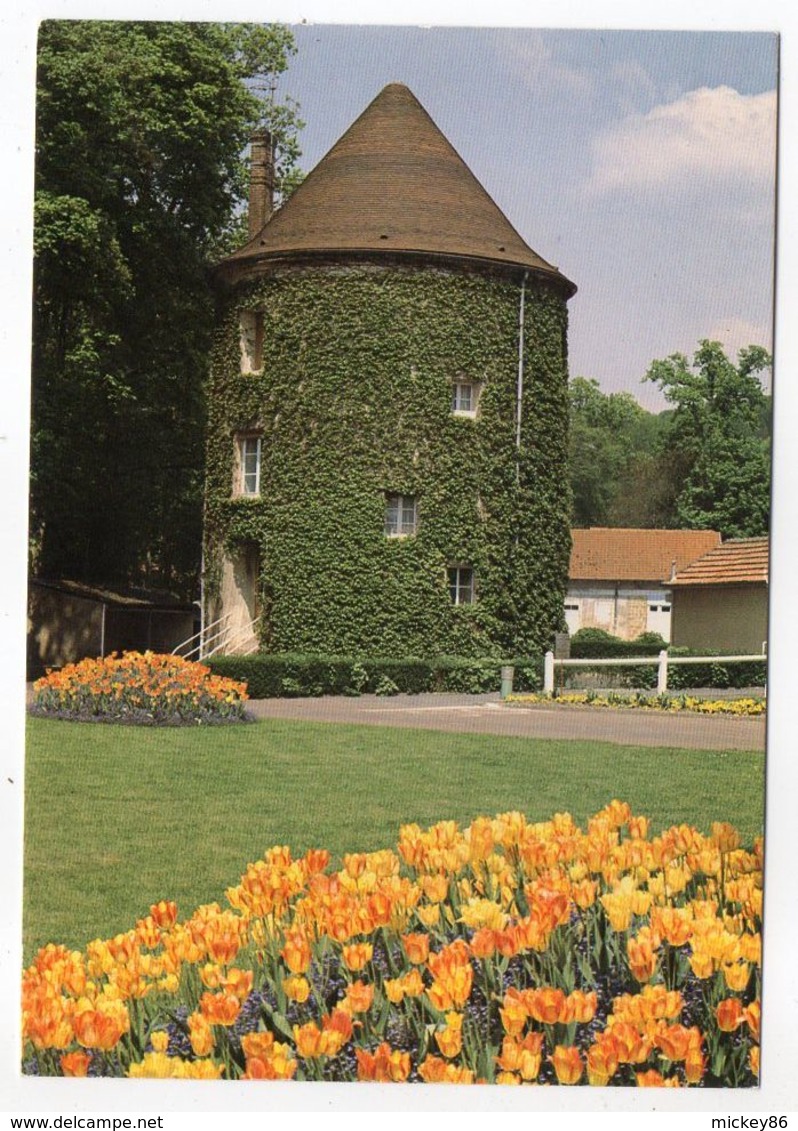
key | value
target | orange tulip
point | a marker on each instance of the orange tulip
(567, 1064)
(75, 1063)
(522, 1056)
(220, 1009)
(200, 1034)
(602, 1064)
(357, 956)
(483, 943)
(753, 1060)
(164, 913)
(753, 1014)
(675, 1041)
(416, 948)
(513, 1013)
(695, 1065)
(450, 1040)
(358, 998)
(546, 1005)
(223, 946)
(642, 957)
(258, 1044)
(654, 1079)
(435, 1070)
(412, 984)
(98, 1029)
(729, 1014)
(384, 1065)
(336, 1031)
(307, 1039)
(583, 1006)
(296, 952)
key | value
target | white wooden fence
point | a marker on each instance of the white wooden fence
(662, 663)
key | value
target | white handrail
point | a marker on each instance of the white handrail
(201, 635)
(211, 643)
(230, 638)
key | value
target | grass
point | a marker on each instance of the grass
(119, 817)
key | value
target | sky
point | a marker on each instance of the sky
(641, 163)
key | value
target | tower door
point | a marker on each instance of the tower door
(240, 597)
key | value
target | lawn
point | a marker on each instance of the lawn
(119, 817)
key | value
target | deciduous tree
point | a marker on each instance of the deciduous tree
(140, 177)
(718, 431)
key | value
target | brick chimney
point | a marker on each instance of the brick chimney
(261, 180)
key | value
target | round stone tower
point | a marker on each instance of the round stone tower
(388, 411)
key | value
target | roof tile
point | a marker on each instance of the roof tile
(740, 560)
(622, 554)
(392, 183)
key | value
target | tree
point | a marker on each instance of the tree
(141, 128)
(612, 437)
(718, 432)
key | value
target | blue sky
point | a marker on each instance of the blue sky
(641, 163)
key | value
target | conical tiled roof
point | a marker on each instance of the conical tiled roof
(392, 183)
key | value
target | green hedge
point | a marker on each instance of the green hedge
(595, 643)
(294, 675)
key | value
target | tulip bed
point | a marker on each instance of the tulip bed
(506, 952)
(139, 687)
(742, 708)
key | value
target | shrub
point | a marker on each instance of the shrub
(595, 644)
(507, 952)
(143, 688)
(271, 676)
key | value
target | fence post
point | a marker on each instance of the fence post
(548, 673)
(507, 674)
(662, 673)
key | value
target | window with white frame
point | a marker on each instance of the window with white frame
(401, 515)
(465, 395)
(251, 322)
(248, 462)
(461, 584)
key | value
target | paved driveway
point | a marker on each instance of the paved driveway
(486, 714)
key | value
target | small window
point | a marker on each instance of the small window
(248, 451)
(461, 585)
(251, 341)
(400, 515)
(570, 608)
(465, 395)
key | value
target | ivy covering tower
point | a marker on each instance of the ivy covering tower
(388, 411)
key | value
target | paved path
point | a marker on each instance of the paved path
(486, 714)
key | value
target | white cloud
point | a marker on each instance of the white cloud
(705, 136)
(534, 61)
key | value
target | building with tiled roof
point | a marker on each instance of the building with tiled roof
(720, 601)
(388, 410)
(619, 578)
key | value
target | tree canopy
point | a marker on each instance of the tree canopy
(140, 180)
(718, 432)
(703, 463)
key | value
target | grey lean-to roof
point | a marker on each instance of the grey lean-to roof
(393, 183)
